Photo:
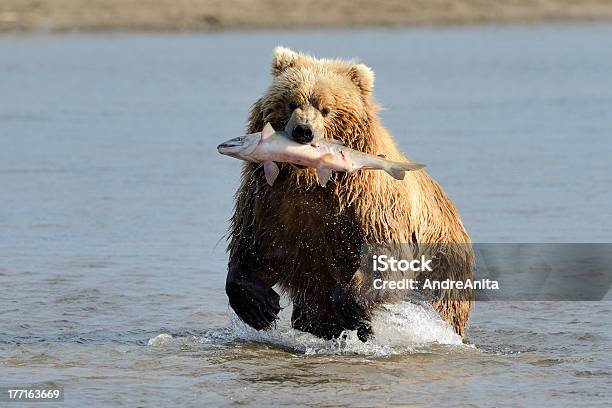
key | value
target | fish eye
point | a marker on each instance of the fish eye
(292, 106)
(324, 111)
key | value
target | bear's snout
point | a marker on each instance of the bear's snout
(302, 134)
(305, 124)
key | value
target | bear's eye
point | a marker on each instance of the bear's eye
(324, 111)
(292, 106)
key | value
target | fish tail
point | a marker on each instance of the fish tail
(398, 169)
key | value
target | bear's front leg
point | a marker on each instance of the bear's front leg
(353, 310)
(255, 302)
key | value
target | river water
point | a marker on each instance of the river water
(114, 203)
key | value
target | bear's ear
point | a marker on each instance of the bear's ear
(363, 77)
(284, 58)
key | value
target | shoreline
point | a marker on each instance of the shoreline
(23, 16)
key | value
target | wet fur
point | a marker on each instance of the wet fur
(305, 238)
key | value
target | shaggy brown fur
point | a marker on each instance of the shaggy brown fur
(306, 238)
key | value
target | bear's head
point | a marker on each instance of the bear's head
(314, 98)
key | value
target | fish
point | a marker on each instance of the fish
(270, 147)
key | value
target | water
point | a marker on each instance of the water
(114, 205)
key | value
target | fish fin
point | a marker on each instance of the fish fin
(398, 169)
(267, 131)
(271, 171)
(324, 172)
(323, 175)
(414, 166)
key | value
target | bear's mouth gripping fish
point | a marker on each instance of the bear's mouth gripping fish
(270, 146)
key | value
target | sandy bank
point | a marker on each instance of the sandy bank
(202, 15)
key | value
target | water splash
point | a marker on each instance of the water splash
(403, 328)
(160, 340)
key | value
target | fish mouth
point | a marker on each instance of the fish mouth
(231, 144)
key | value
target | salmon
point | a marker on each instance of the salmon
(270, 147)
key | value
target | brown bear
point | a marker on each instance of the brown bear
(306, 238)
